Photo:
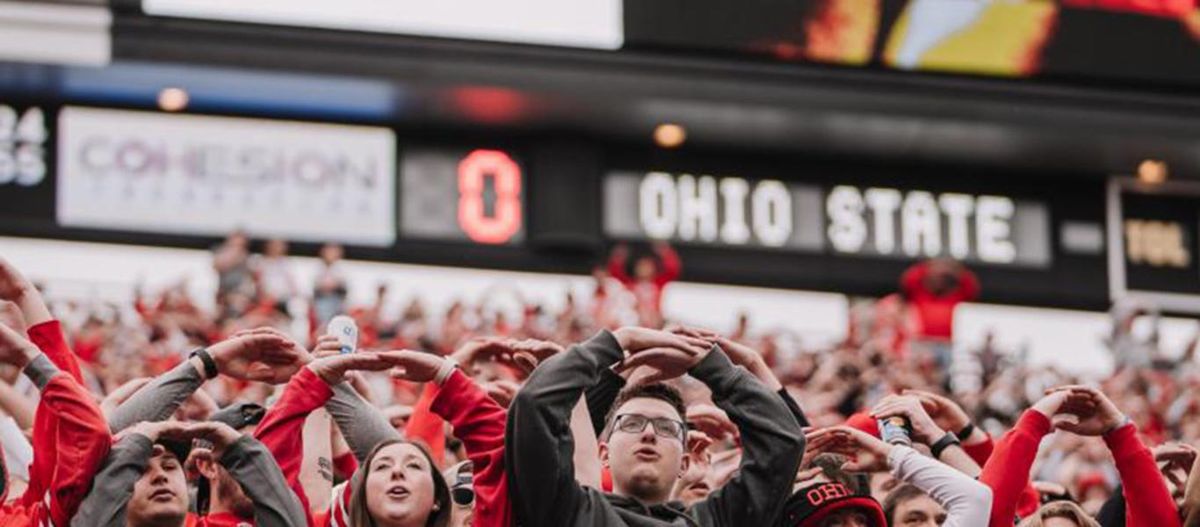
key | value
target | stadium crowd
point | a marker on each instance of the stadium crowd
(606, 412)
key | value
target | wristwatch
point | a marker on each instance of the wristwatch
(210, 365)
(947, 441)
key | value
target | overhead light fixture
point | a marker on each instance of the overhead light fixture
(669, 135)
(173, 99)
(1152, 171)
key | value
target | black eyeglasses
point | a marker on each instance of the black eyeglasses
(663, 427)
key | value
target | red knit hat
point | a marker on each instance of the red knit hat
(811, 504)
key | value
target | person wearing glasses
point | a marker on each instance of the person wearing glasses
(644, 440)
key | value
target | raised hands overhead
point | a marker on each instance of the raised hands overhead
(866, 453)
(16, 288)
(636, 339)
(218, 435)
(522, 354)
(15, 349)
(1086, 411)
(910, 407)
(262, 355)
(662, 355)
(333, 368)
(414, 366)
(947, 414)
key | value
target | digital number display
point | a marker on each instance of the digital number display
(871, 221)
(23, 139)
(1153, 233)
(474, 195)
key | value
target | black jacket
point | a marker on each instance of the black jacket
(539, 449)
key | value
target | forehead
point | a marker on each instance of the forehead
(649, 408)
(400, 451)
(922, 503)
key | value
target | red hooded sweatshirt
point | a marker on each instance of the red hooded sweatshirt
(70, 441)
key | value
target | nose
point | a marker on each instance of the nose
(399, 474)
(648, 435)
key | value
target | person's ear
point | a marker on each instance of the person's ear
(603, 452)
(206, 466)
(684, 463)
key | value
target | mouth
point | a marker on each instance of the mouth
(398, 493)
(646, 454)
(161, 495)
(699, 487)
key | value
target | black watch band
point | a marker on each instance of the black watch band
(942, 444)
(966, 432)
(210, 365)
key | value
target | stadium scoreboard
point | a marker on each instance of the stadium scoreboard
(137, 176)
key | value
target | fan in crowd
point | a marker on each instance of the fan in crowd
(603, 414)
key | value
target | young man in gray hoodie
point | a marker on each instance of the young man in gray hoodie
(643, 446)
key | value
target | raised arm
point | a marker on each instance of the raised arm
(1007, 470)
(254, 468)
(69, 435)
(670, 264)
(161, 397)
(1148, 503)
(772, 445)
(616, 264)
(255, 355)
(539, 444)
(479, 423)
(968, 503)
(105, 505)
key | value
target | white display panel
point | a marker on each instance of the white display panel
(202, 175)
(579, 23)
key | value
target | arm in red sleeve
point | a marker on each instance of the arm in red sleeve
(671, 265)
(345, 464)
(968, 285)
(1007, 471)
(1147, 501)
(282, 429)
(616, 268)
(48, 337)
(81, 439)
(479, 423)
(980, 452)
(427, 426)
(911, 281)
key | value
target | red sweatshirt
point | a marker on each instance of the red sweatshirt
(649, 293)
(70, 429)
(1007, 471)
(427, 427)
(478, 421)
(937, 311)
(220, 519)
(282, 430)
(1148, 503)
(48, 337)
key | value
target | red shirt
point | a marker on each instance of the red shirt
(936, 312)
(78, 444)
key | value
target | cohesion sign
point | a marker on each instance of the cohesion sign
(867, 221)
(202, 175)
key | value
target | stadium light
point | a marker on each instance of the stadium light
(173, 99)
(1152, 171)
(669, 135)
